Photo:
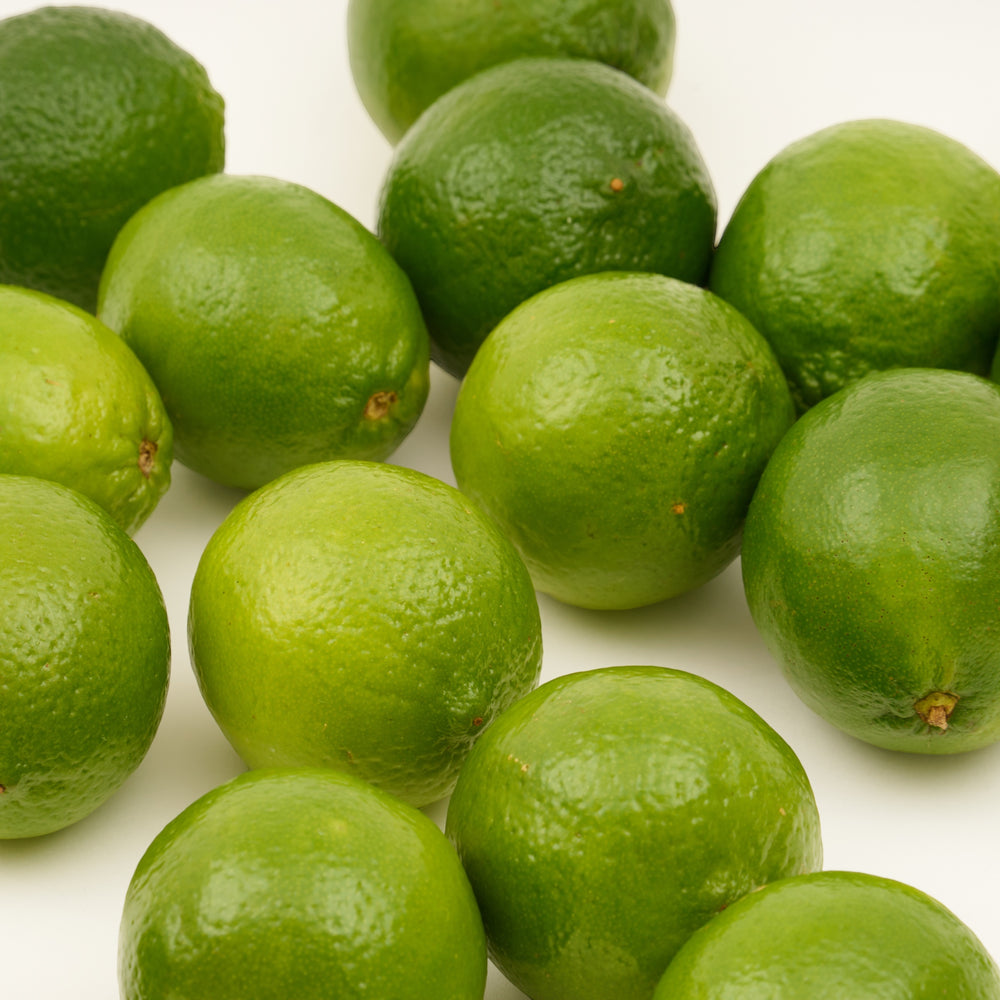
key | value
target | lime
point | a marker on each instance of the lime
(609, 813)
(277, 328)
(616, 425)
(405, 55)
(84, 656)
(76, 406)
(534, 172)
(868, 245)
(302, 883)
(99, 111)
(364, 617)
(871, 559)
(829, 936)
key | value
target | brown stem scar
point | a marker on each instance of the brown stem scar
(147, 454)
(379, 405)
(936, 708)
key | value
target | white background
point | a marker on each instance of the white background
(749, 78)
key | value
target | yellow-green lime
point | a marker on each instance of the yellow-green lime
(830, 936)
(365, 617)
(533, 172)
(616, 425)
(99, 112)
(608, 814)
(84, 656)
(868, 245)
(76, 406)
(278, 329)
(871, 559)
(405, 55)
(303, 883)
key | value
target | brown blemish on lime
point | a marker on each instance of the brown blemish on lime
(617, 184)
(379, 405)
(147, 455)
(936, 708)
(679, 507)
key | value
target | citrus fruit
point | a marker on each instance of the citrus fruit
(76, 406)
(616, 425)
(99, 111)
(84, 656)
(868, 245)
(871, 559)
(404, 56)
(365, 617)
(831, 935)
(533, 172)
(611, 812)
(303, 883)
(277, 328)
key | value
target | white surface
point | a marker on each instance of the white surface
(749, 78)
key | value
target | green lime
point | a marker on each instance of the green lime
(616, 425)
(364, 617)
(832, 936)
(534, 172)
(76, 406)
(99, 112)
(868, 245)
(277, 328)
(871, 559)
(608, 814)
(300, 883)
(84, 656)
(405, 55)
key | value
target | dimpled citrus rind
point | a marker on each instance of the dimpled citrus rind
(871, 559)
(84, 656)
(616, 425)
(307, 883)
(277, 328)
(100, 112)
(868, 245)
(609, 813)
(77, 407)
(830, 935)
(534, 172)
(364, 617)
(404, 56)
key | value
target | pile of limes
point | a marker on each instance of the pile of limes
(639, 403)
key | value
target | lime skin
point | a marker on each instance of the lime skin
(616, 425)
(100, 112)
(77, 407)
(84, 656)
(404, 56)
(362, 616)
(533, 172)
(304, 883)
(611, 812)
(828, 936)
(865, 246)
(871, 559)
(276, 327)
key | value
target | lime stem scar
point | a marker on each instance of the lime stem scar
(147, 453)
(936, 708)
(379, 405)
